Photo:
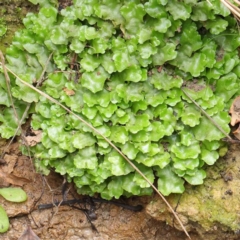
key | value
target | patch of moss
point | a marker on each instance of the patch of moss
(11, 15)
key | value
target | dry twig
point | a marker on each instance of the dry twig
(233, 8)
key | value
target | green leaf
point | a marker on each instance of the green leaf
(137, 123)
(227, 86)
(190, 38)
(119, 134)
(148, 173)
(3, 29)
(220, 8)
(160, 129)
(178, 10)
(108, 111)
(86, 159)
(186, 152)
(77, 46)
(195, 64)
(13, 194)
(202, 11)
(59, 36)
(4, 98)
(146, 50)
(23, 92)
(165, 186)
(191, 115)
(7, 117)
(43, 109)
(89, 62)
(141, 136)
(154, 97)
(184, 164)
(209, 157)
(82, 140)
(197, 178)
(187, 137)
(4, 221)
(135, 74)
(115, 188)
(117, 164)
(121, 60)
(56, 152)
(129, 185)
(154, 9)
(164, 81)
(100, 45)
(144, 35)
(207, 131)
(160, 25)
(165, 54)
(94, 81)
(211, 145)
(110, 11)
(228, 42)
(129, 150)
(217, 25)
(87, 33)
(162, 159)
(108, 63)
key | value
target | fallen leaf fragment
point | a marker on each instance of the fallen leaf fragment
(11, 179)
(34, 140)
(28, 234)
(69, 92)
(13, 194)
(4, 221)
(235, 111)
(237, 133)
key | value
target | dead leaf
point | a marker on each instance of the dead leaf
(235, 111)
(237, 133)
(69, 92)
(2, 161)
(29, 235)
(34, 140)
(160, 69)
(11, 179)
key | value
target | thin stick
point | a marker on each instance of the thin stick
(8, 82)
(136, 208)
(234, 9)
(19, 126)
(40, 80)
(107, 140)
(209, 3)
(206, 114)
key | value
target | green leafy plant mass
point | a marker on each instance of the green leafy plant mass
(121, 66)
